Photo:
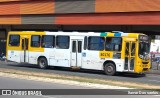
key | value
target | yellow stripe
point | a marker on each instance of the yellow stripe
(110, 34)
(132, 35)
(28, 33)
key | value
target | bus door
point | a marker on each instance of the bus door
(24, 53)
(76, 56)
(130, 48)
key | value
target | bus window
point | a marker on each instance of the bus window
(133, 48)
(62, 42)
(96, 43)
(35, 41)
(74, 46)
(79, 46)
(85, 42)
(127, 49)
(109, 45)
(48, 41)
(113, 44)
(14, 40)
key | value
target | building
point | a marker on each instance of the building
(155, 46)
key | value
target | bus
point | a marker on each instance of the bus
(110, 52)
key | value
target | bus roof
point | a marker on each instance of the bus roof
(103, 34)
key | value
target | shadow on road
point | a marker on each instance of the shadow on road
(64, 69)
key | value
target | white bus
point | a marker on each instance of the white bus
(106, 51)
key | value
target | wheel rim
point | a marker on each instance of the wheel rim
(109, 69)
(42, 63)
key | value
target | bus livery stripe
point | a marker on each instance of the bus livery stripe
(117, 34)
(124, 34)
(110, 34)
(103, 34)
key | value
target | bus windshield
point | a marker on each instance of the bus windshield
(144, 49)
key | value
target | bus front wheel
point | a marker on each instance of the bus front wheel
(109, 69)
(42, 62)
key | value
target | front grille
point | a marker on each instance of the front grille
(145, 62)
(144, 65)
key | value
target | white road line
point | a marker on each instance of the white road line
(46, 96)
(154, 81)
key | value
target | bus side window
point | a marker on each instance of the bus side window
(48, 41)
(14, 40)
(62, 42)
(117, 41)
(96, 43)
(79, 46)
(109, 46)
(113, 44)
(74, 46)
(35, 41)
(85, 42)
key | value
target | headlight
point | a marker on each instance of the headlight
(141, 56)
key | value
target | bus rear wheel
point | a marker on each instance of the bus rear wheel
(42, 62)
(110, 69)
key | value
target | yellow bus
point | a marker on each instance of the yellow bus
(110, 52)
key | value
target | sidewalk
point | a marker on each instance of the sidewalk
(155, 69)
(154, 72)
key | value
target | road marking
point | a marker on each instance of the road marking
(154, 80)
(45, 96)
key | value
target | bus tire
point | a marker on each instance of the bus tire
(42, 62)
(110, 69)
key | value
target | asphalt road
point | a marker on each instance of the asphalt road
(14, 83)
(151, 79)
